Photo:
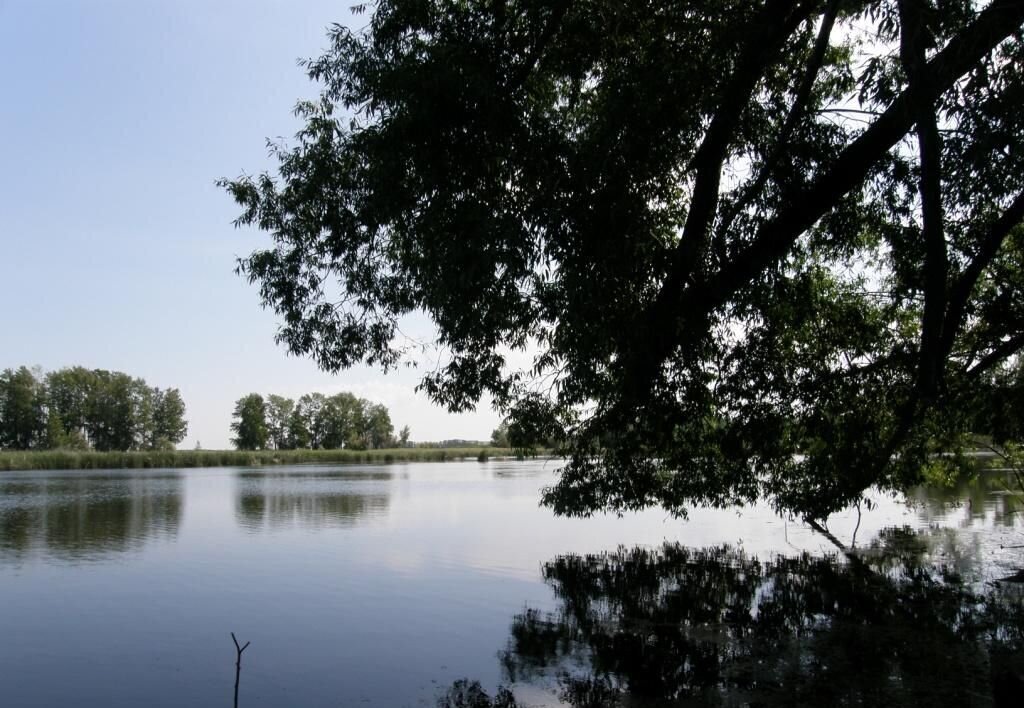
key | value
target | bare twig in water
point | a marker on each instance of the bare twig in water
(238, 663)
(853, 541)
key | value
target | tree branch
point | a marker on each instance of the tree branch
(991, 242)
(796, 111)
(997, 22)
(1009, 347)
(676, 305)
(768, 32)
(913, 41)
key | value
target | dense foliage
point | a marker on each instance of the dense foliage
(758, 248)
(316, 422)
(998, 407)
(81, 408)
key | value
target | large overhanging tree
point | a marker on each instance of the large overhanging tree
(759, 249)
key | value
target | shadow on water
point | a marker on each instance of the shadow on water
(313, 500)
(676, 626)
(87, 518)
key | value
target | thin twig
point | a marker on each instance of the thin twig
(853, 541)
(238, 663)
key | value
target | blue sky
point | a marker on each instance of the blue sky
(116, 249)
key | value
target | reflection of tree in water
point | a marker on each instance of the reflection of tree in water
(956, 556)
(992, 496)
(677, 626)
(268, 501)
(87, 517)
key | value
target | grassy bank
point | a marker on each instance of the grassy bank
(74, 460)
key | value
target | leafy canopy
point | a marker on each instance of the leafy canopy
(79, 408)
(249, 423)
(316, 421)
(759, 249)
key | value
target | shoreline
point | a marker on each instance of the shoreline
(40, 460)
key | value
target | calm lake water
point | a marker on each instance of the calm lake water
(357, 585)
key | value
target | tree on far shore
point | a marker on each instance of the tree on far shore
(250, 423)
(315, 421)
(167, 425)
(279, 418)
(22, 409)
(499, 436)
(78, 408)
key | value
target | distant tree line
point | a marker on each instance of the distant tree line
(450, 444)
(315, 421)
(79, 408)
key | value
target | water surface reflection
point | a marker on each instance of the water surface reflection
(383, 584)
(311, 499)
(991, 498)
(87, 517)
(674, 626)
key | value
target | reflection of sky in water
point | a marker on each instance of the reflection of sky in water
(357, 582)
